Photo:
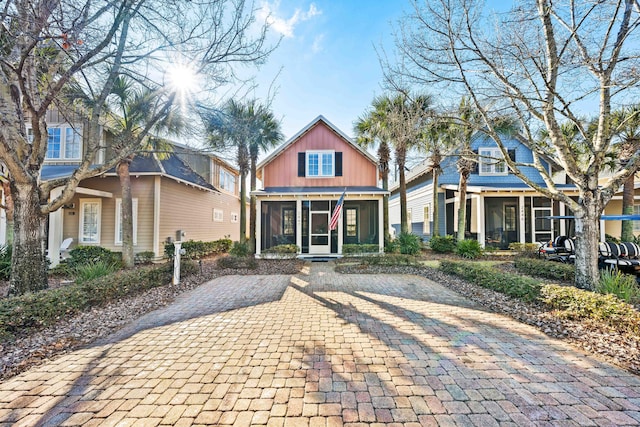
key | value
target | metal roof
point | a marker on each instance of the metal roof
(321, 190)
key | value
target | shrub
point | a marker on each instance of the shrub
(283, 251)
(196, 249)
(574, 303)
(442, 244)
(469, 249)
(92, 270)
(547, 269)
(83, 255)
(5, 262)
(390, 259)
(513, 285)
(145, 257)
(623, 286)
(237, 262)
(409, 244)
(529, 250)
(362, 248)
(34, 310)
(610, 238)
(391, 247)
(240, 249)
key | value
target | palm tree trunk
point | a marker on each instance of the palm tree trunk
(126, 213)
(243, 205)
(385, 206)
(404, 226)
(252, 207)
(435, 230)
(462, 208)
(628, 194)
(28, 261)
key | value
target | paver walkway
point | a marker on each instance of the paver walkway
(323, 349)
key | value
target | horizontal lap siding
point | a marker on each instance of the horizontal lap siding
(190, 209)
(357, 169)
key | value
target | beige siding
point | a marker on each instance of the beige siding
(190, 209)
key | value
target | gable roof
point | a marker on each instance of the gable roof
(305, 130)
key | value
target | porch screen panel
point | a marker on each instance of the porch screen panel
(278, 224)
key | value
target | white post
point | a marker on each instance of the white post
(381, 229)
(55, 231)
(258, 235)
(299, 223)
(522, 221)
(176, 262)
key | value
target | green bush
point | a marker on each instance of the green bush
(5, 262)
(92, 270)
(574, 303)
(623, 286)
(513, 285)
(390, 259)
(547, 269)
(443, 244)
(83, 255)
(240, 249)
(391, 247)
(35, 310)
(409, 244)
(196, 249)
(282, 251)
(360, 248)
(529, 250)
(469, 249)
(237, 262)
(145, 257)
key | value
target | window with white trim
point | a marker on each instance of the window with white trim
(351, 227)
(491, 162)
(227, 181)
(134, 208)
(320, 163)
(218, 215)
(63, 143)
(90, 219)
(426, 226)
(234, 217)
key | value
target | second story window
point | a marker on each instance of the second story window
(227, 181)
(64, 143)
(320, 163)
(491, 162)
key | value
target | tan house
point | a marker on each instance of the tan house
(168, 195)
(303, 181)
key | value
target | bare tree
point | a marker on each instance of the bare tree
(56, 48)
(543, 62)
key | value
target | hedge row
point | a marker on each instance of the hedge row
(35, 310)
(195, 249)
(360, 248)
(546, 269)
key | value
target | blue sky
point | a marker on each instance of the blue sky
(326, 62)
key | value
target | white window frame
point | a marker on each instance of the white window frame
(81, 236)
(118, 232)
(234, 217)
(488, 164)
(218, 215)
(227, 181)
(426, 221)
(320, 154)
(64, 130)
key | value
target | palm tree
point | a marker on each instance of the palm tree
(264, 133)
(371, 129)
(134, 112)
(626, 125)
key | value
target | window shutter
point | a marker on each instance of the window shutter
(301, 164)
(338, 163)
(475, 166)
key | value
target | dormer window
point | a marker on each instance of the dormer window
(320, 163)
(64, 143)
(491, 162)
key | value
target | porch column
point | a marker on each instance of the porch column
(340, 227)
(482, 233)
(523, 235)
(157, 249)
(299, 223)
(381, 229)
(55, 231)
(258, 226)
(563, 224)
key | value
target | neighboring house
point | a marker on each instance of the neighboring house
(501, 209)
(168, 195)
(302, 182)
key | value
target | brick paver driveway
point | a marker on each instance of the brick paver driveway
(323, 349)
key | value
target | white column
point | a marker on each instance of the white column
(159, 252)
(381, 229)
(522, 222)
(340, 227)
(55, 231)
(481, 226)
(258, 226)
(563, 223)
(299, 222)
(177, 247)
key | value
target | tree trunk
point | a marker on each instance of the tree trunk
(385, 206)
(28, 262)
(252, 207)
(126, 213)
(462, 208)
(435, 231)
(243, 205)
(404, 226)
(627, 209)
(587, 238)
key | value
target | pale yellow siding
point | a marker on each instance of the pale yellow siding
(190, 209)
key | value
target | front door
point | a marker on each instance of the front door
(319, 233)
